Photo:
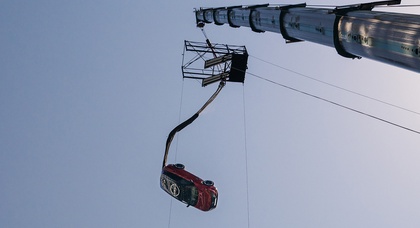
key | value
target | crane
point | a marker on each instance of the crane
(355, 31)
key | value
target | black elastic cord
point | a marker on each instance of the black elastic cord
(188, 122)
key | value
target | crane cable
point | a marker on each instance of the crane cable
(246, 156)
(201, 26)
(335, 103)
(337, 87)
(379, 6)
(176, 147)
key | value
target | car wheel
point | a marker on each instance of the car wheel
(208, 183)
(179, 166)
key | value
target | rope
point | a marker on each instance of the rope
(337, 104)
(176, 147)
(170, 214)
(400, 6)
(179, 117)
(246, 157)
(378, 6)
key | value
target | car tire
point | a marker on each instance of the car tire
(179, 166)
(208, 183)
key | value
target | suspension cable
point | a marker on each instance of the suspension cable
(170, 214)
(176, 148)
(398, 6)
(246, 156)
(379, 6)
(179, 118)
(335, 103)
(337, 87)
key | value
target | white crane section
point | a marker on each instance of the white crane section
(355, 31)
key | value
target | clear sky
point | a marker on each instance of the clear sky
(89, 91)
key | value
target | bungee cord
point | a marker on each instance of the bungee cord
(189, 121)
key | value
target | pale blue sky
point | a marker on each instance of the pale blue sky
(89, 91)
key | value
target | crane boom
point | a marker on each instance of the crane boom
(355, 31)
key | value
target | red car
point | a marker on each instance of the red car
(188, 188)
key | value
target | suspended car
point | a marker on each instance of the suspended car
(229, 66)
(188, 188)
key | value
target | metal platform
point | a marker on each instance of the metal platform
(214, 62)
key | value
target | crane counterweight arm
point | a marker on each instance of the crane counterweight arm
(355, 31)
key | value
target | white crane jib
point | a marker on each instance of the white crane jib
(355, 31)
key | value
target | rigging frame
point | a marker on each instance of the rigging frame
(222, 62)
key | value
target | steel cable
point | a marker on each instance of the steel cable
(335, 103)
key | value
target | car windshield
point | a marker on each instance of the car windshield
(190, 195)
(180, 188)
